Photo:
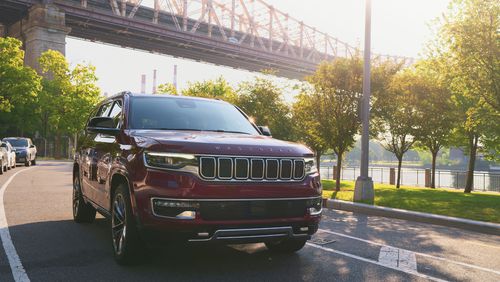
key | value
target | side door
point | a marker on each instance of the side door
(89, 157)
(107, 148)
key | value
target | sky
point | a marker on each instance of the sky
(399, 27)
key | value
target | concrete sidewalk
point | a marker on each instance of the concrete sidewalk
(473, 225)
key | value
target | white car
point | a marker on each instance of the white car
(11, 154)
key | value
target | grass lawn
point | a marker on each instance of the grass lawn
(477, 205)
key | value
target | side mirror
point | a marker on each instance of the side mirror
(265, 130)
(103, 125)
(32, 146)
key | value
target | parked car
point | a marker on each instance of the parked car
(11, 154)
(4, 160)
(25, 150)
(170, 168)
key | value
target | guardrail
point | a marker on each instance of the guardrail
(483, 180)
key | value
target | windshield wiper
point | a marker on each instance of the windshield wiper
(194, 129)
(229, 131)
(180, 129)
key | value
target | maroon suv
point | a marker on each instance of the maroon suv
(166, 168)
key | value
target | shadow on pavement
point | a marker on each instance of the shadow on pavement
(63, 250)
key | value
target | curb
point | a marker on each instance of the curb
(467, 224)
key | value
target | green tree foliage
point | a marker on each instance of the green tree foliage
(215, 89)
(307, 126)
(67, 96)
(167, 88)
(468, 46)
(435, 112)
(19, 87)
(335, 102)
(396, 116)
(262, 100)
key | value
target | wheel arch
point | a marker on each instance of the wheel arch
(119, 177)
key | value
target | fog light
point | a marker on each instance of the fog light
(175, 204)
(186, 215)
(304, 229)
(315, 211)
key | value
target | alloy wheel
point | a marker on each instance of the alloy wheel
(76, 196)
(118, 224)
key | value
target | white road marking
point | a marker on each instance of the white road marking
(388, 256)
(408, 271)
(416, 253)
(16, 266)
(400, 258)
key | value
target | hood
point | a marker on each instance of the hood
(219, 143)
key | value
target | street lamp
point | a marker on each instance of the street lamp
(363, 190)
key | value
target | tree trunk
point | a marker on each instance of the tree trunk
(433, 170)
(339, 168)
(318, 158)
(398, 182)
(57, 146)
(469, 184)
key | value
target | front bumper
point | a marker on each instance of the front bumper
(200, 211)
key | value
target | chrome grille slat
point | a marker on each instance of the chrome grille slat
(241, 168)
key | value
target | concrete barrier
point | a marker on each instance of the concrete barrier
(467, 224)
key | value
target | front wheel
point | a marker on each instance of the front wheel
(286, 246)
(1, 167)
(33, 162)
(125, 236)
(28, 161)
(82, 212)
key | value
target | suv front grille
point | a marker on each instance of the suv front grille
(225, 168)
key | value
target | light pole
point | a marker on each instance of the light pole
(363, 190)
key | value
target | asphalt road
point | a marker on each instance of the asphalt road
(349, 247)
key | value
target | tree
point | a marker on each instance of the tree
(435, 116)
(215, 89)
(335, 102)
(262, 100)
(307, 126)
(19, 86)
(167, 88)
(396, 116)
(67, 96)
(468, 45)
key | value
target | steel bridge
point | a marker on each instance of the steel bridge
(250, 34)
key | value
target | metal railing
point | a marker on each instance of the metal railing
(483, 180)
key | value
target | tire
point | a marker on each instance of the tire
(82, 212)
(127, 245)
(1, 167)
(286, 246)
(28, 161)
(33, 162)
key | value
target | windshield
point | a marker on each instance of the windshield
(17, 142)
(170, 113)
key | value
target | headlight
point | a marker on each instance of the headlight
(177, 161)
(310, 165)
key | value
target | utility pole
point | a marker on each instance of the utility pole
(175, 78)
(154, 81)
(363, 190)
(143, 84)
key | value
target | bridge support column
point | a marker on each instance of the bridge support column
(44, 28)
